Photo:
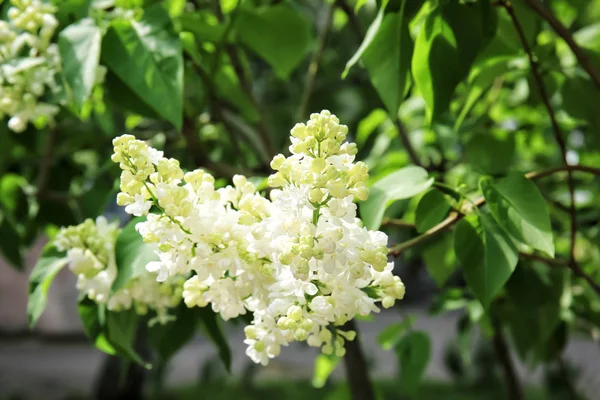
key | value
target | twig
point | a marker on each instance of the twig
(515, 392)
(46, 163)
(546, 260)
(405, 139)
(397, 223)
(357, 374)
(556, 129)
(313, 66)
(564, 33)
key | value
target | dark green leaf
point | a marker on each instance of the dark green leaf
(169, 338)
(11, 245)
(518, 206)
(392, 334)
(431, 210)
(211, 325)
(402, 184)
(91, 315)
(413, 352)
(490, 154)
(147, 56)
(388, 60)
(121, 330)
(579, 96)
(279, 34)
(451, 36)
(79, 46)
(49, 264)
(439, 259)
(131, 254)
(488, 259)
(369, 36)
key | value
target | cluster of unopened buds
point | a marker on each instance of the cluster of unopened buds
(28, 63)
(301, 262)
(90, 249)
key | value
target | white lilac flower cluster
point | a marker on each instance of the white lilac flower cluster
(28, 62)
(301, 262)
(90, 249)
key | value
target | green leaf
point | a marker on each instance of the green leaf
(278, 34)
(389, 337)
(491, 154)
(413, 353)
(402, 184)
(212, 327)
(579, 96)
(324, 366)
(121, 330)
(451, 36)
(534, 305)
(11, 243)
(147, 56)
(169, 338)
(79, 46)
(388, 58)
(131, 254)
(482, 77)
(431, 210)
(49, 264)
(439, 259)
(91, 315)
(518, 206)
(369, 36)
(369, 124)
(488, 259)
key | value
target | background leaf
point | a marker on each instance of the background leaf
(413, 352)
(431, 210)
(324, 366)
(212, 327)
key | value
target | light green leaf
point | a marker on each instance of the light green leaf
(359, 4)
(49, 264)
(369, 36)
(488, 259)
(431, 210)
(369, 124)
(388, 60)
(278, 34)
(451, 36)
(79, 46)
(402, 184)
(413, 353)
(324, 366)
(147, 56)
(389, 337)
(518, 206)
(213, 329)
(440, 260)
(131, 254)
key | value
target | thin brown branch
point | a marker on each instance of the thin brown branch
(405, 139)
(555, 127)
(357, 373)
(502, 351)
(566, 35)
(398, 223)
(313, 66)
